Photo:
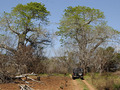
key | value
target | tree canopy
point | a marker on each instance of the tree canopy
(25, 23)
(82, 24)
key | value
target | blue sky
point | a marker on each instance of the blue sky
(111, 9)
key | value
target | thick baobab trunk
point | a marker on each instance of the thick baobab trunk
(21, 41)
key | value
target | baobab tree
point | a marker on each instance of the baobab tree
(85, 29)
(22, 33)
(24, 23)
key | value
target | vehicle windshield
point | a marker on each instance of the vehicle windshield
(77, 70)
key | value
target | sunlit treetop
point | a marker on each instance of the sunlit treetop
(83, 14)
(32, 10)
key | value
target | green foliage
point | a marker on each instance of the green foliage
(110, 57)
(116, 86)
(77, 19)
(84, 21)
(110, 49)
(117, 57)
(25, 16)
(30, 11)
(83, 13)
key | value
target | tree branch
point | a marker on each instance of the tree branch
(88, 22)
(10, 27)
(8, 48)
(40, 42)
(94, 48)
(28, 29)
(91, 19)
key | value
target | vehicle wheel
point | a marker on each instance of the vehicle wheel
(82, 78)
(73, 78)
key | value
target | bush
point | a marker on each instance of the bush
(116, 86)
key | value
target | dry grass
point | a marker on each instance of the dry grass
(106, 81)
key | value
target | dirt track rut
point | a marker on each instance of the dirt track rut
(88, 85)
(78, 87)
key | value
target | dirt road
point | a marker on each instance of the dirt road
(78, 87)
(88, 85)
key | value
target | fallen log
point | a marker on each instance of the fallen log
(25, 87)
(33, 80)
(26, 76)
